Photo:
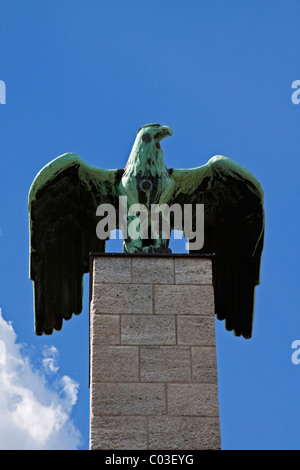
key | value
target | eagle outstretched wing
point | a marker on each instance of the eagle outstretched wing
(233, 231)
(63, 200)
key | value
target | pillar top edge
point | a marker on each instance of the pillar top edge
(153, 255)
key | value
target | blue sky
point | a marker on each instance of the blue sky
(83, 76)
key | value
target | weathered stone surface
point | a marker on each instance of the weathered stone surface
(122, 298)
(165, 364)
(128, 399)
(184, 300)
(196, 330)
(115, 364)
(193, 399)
(105, 329)
(204, 365)
(112, 270)
(153, 357)
(118, 433)
(186, 433)
(148, 329)
(154, 271)
(193, 271)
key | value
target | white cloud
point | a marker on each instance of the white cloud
(70, 388)
(33, 413)
(49, 361)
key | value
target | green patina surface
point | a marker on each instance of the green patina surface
(86, 174)
(146, 181)
(64, 197)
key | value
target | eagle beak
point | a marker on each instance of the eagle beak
(164, 132)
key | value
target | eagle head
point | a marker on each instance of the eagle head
(154, 132)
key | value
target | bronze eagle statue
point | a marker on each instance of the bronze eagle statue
(63, 215)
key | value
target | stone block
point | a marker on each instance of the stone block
(115, 364)
(165, 364)
(118, 433)
(184, 300)
(193, 399)
(105, 329)
(193, 271)
(204, 364)
(122, 298)
(153, 270)
(112, 270)
(185, 433)
(196, 330)
(128, 399)
(148, 329)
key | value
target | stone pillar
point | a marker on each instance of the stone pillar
(153, 371)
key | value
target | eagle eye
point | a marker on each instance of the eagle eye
(147, 137)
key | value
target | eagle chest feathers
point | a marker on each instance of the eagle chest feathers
(146, 179)
(146, 187)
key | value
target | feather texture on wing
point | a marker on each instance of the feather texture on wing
(63, 200)
(233, 230)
